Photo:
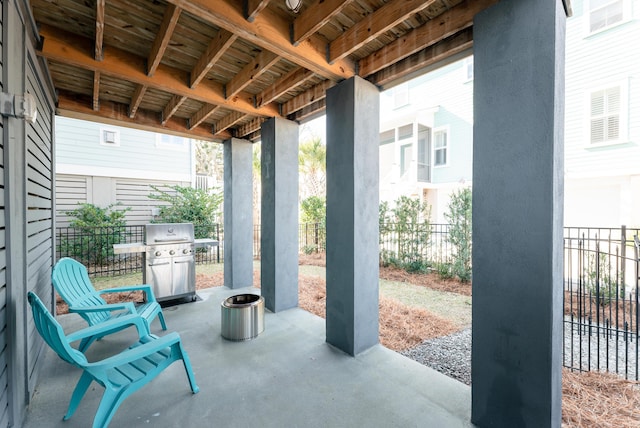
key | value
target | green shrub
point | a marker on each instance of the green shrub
(189, 205)
(444, 270)
(96, 230)
(314, 210)
(459, 218)
(598, 279)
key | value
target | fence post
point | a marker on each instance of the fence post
(623, 255)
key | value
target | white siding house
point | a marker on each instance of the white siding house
(103, 165)
(427, 124)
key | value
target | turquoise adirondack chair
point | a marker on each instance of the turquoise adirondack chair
(122, 374)
(71, 281)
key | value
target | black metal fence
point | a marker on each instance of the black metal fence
(601, 278)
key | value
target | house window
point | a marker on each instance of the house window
(468, 69)
(405, 158)
(604, 14)
(605, 115)
(440, 147)
(170, 141)
(387, 137)
(109, 137)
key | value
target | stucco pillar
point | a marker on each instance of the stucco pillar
(279, 214)
(238, 213)
(352, 215)
(517, 214)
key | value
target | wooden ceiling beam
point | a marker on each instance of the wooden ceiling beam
(100, 5)
(79, 107)
(73, 50)
(217, 47)
(96, 90)
(306, 98)
(436, 54)
(269, 31)
(315, 17)
(228, 121)
(253, 7)
(286, 83)
(447, 24)
(256, 68)
(172, 107)
(388, 16)
(201, 115)
(136, 100)
(250, 127)
(169, 22)
(309, 112)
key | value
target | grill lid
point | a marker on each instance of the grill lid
(168, 233)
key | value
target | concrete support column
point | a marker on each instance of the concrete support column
(279, 214)
(238, 213)
(352, 215)
(517, 214)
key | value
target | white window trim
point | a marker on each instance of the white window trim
(624, 113)
(465, 66)
(448, 146)
(116, 133)
(161, 145)
(626, 17)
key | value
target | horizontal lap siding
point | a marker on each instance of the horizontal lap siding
(39, 217)
(135, 194)
(70, 190)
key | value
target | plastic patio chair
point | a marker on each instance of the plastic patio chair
(71, 281)
(122, 374)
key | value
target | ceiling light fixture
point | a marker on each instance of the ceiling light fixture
(294, 5)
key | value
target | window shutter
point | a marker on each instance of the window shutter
(605, 115)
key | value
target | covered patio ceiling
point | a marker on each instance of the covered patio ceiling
(215, 69)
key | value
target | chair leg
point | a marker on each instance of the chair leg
(78, 393)
(111, 400)
(84, 343)
(161, 318)
(187, 367)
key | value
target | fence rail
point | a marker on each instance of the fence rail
(601, 278)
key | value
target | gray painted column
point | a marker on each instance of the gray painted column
(517, 214)
(352, 215)
(238, 213)
(279, 215)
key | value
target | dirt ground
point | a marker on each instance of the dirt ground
(589, 399)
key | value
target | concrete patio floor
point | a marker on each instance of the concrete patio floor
(286, 377)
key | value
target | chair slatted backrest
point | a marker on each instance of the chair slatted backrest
(52, 332)
(71, 280)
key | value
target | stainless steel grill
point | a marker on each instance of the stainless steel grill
(169, 260)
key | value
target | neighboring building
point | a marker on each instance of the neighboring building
(426, 137)
(103, 165)
(602, 119)
(427, 124)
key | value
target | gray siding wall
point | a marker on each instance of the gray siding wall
(26, 211)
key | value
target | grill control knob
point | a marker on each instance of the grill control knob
(172, 252)
(185, 251)
(158, 253)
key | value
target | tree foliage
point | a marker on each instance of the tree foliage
(459, 218)
(313, 167)
(314, 210)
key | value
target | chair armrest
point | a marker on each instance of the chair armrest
(137, 352)
(114, 324)
(129, 306)
(146, 288)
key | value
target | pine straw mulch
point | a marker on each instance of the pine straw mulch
(589, 399)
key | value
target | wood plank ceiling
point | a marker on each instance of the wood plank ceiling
(213, 69)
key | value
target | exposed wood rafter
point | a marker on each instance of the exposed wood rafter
(269, 31)
(100, 5)
(315, 17)
(96, 90)
(228, 121)
(383, 19)
(73, 50)
(307, 98)
(136, 100)
(169, 22)
(201, 115)
(172, 107)
(253, 7)
(217, 47)
(250, 127)
(286, 83)
(433, 31)
(261, 63)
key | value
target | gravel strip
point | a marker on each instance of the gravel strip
(450, 355)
